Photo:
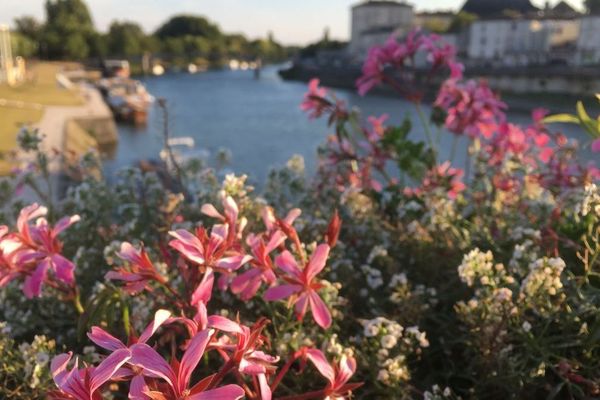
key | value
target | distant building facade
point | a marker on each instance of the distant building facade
(512, 38)
(588, 44)
(374, 21)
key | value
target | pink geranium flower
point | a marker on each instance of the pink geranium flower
(178, 375)
(315, 102)
(248, 283)
(34, 250)
(230, 217)
(302, 286)
(141, 269)
(472, 108)
(338, 375)
(84, 383)
(596, 146)
(213, 251)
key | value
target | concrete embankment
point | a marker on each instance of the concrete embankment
(76, 129)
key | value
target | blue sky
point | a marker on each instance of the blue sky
(292, 21)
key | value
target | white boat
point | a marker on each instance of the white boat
(183, 149)
(158, 70)
(192, 68)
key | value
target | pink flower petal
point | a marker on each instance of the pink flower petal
(211, 211)
(319, 310)
(107, 368)
(286, 262)
(317, 262)
(596, 146)
(32, 287)
(64, 223)
(224, 324)
(160, 317)
(203, 292)
(104, 339)
(137, 388)
(192, 357)
(320, 362)
(281, 292)
(153, 364)
(265, 390)
(227, 392)
(63, 268)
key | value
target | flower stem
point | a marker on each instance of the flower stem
(427, 130)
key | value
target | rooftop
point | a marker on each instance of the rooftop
(496, 8)
(379, 3)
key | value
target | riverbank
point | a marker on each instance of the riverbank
(71, 117)
(554, 88)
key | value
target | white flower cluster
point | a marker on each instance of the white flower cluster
(410, 207)
(437, 393)
(377, 251)
(393, 370)
(36, 358)
(395, 343)
(543, 282)
(381, 326)
(290, 342)
(374, 277)
(590, 201)
(523, 255)
(235, 186)
(477, 266)
(335, 348)
(519, 233)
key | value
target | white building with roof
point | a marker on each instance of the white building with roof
(375, 20)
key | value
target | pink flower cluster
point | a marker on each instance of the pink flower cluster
(385, 62)
(354, 161)
(442, 177)
(33, 253)
(243, 350)
(472, 108)
(225, 249)
(151, 376)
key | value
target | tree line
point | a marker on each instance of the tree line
(68, 33)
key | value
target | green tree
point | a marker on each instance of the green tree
(461, 21)
(23, 46)
(69, 30)
(592, 6)
(28, 27)
(126, 39)
(184, 25)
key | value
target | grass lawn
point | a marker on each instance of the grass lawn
(42, 89)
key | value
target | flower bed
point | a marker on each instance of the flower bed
(403, 276)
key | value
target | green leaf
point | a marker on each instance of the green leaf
(562, 119)
(588, 123)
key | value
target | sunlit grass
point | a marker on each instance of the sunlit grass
(41, 88)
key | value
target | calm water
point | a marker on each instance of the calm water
(259, 121)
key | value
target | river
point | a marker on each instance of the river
(258, 121)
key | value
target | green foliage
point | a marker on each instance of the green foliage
(188, 25)
(126, 39)
(592, 6)
(461, 21)
(68, 31)
(582, 118)
(23, 46)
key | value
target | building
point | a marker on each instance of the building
(588, 44)
(498, 8)
(520, 39)
(374, 21)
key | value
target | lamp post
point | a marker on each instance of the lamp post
(6, 60)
